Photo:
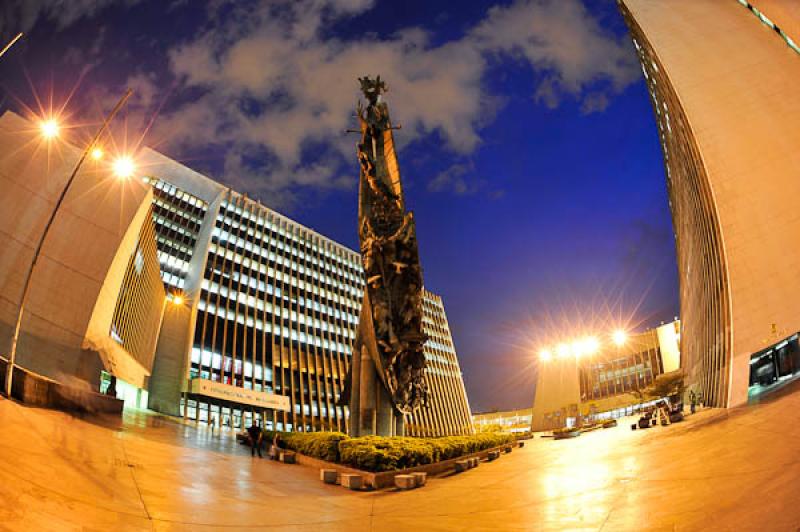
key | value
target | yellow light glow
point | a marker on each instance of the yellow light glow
(563, 350)
(620, 337)
(177, 300)
(591, 345)
(97, 154)
(123, 167)
(545, 355)
(49, 128)
(576, 348)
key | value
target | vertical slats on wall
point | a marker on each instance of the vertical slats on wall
(704, 296)
(137, 312)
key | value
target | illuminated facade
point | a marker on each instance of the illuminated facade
(506, 420)
(202, 302)
(269, 316)
(721, 76)
(602, 383)
(449, 413)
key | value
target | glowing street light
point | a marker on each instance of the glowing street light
(620, 337)
(545, 355)
(123, 167)
(177, 300)
(49, 128)
(97, 154)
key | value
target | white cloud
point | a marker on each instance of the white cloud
(267, 81)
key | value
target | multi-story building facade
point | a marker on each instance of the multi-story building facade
(201, 301)
(448, 413)
(503, 420)
(603, 382)
(721, 75)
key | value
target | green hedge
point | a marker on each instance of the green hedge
(378, 453)
(322, 445)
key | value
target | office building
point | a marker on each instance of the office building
(722, 77)
(448, 413)
(202, 302)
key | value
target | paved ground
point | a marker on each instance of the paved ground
(719, 470)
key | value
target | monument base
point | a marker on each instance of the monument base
(371, 409)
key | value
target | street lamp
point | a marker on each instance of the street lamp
(10, 44)
(97, 153)
(123, 167)
(49, 128)
(50, 131)
(545, 355)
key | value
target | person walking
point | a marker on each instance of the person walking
(693, 400)
(255, 436)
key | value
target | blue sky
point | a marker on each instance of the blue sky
(529, 152)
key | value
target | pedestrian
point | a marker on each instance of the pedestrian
(254, 435)
(693, 399)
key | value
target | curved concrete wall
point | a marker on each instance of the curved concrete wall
(733, 80)
(95, 228)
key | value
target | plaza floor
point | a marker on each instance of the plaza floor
(736, 470)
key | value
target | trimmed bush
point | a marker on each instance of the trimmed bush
(321, 445)
(376, 453)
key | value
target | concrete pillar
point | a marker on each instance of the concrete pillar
(355, 394)
(367, 414)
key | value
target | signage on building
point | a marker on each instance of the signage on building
(239, 395)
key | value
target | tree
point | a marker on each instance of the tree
(667, 385)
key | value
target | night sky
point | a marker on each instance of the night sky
(529, 150)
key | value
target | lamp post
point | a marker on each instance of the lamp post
(50, 129)
(10, 44)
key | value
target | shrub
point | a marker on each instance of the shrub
(377, 453)
(321, 445)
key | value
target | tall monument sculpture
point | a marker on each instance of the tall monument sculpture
(386, 378)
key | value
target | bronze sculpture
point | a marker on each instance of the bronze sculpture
(389, 342)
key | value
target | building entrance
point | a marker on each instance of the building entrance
(774, 365)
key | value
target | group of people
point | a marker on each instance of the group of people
(255, 439)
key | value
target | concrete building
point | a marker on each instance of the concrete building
(601, 380)
(95, 303)
(262, 311)
(722, 76)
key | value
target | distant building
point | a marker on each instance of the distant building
(722, 77)
(603, 384)
(505, 421)
(202, 302)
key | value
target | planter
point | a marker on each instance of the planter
(385, 479)
(566, 434)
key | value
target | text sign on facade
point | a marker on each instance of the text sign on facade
(239, 395)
